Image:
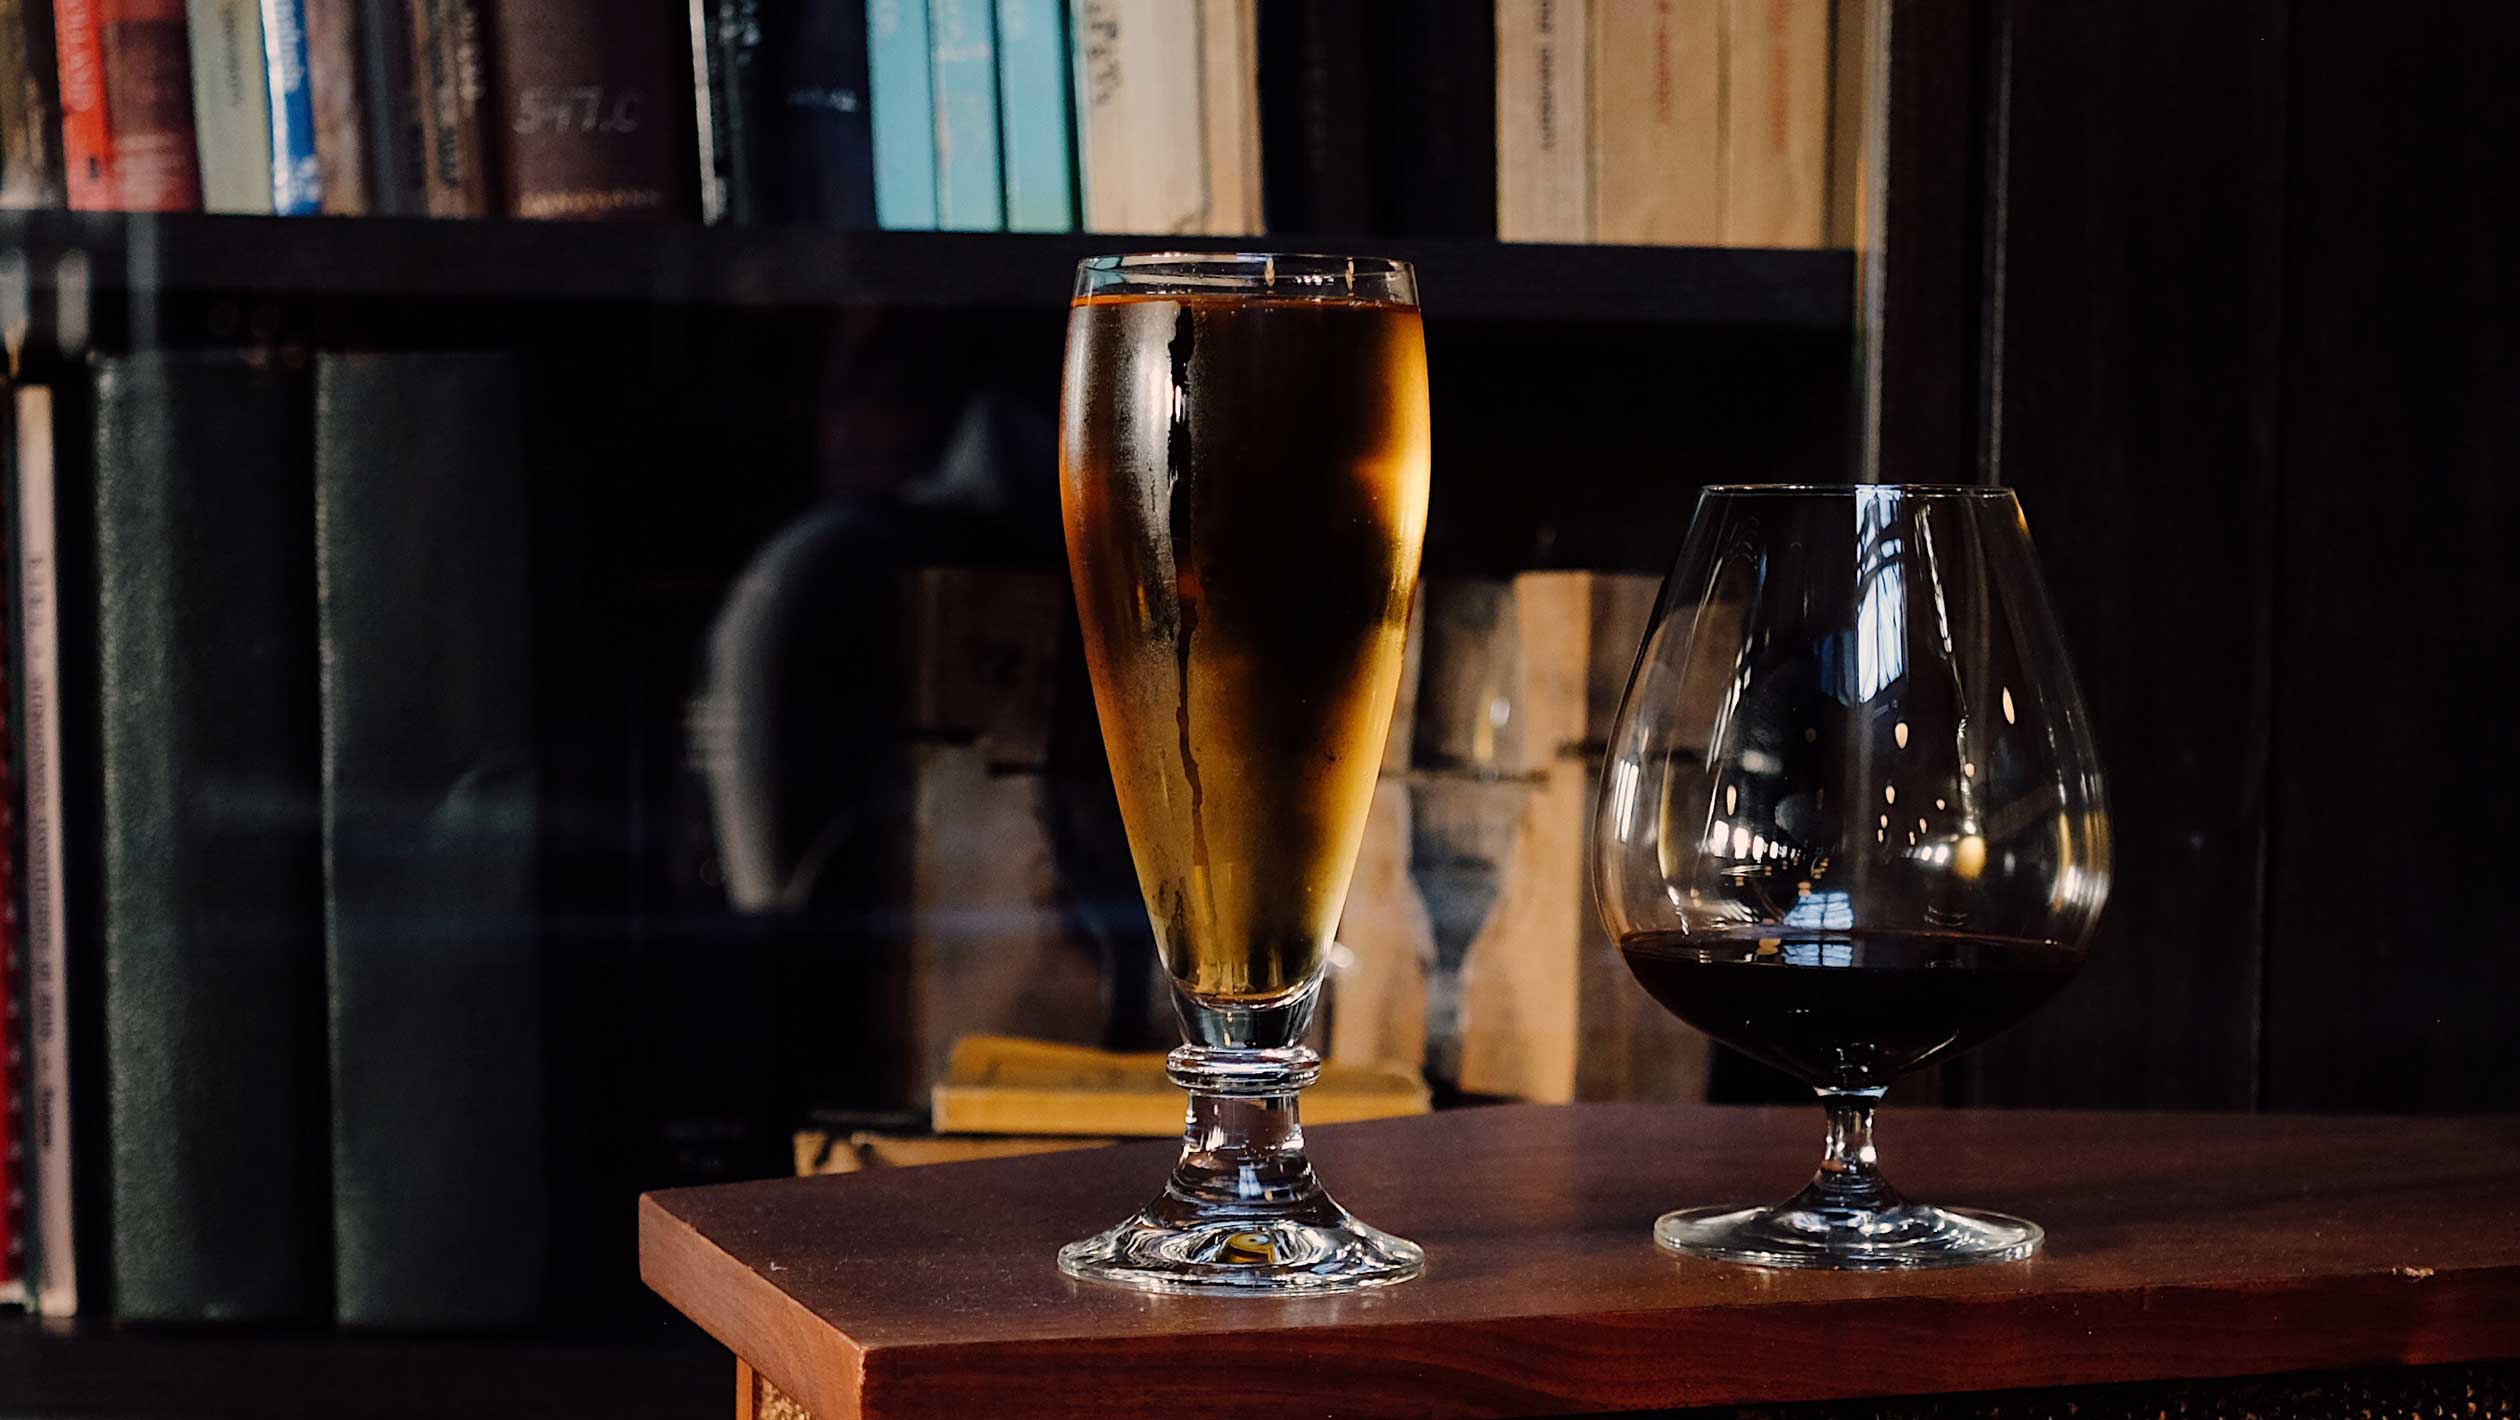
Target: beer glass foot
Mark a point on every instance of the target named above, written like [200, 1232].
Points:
[1243, 1213]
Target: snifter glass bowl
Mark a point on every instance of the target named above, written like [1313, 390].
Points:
[1850, 821]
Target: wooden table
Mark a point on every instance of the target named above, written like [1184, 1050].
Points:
[2180, 1247]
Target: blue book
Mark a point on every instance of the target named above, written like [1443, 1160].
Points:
[969, 197]
[297, 183]
[1033, 97]
[904, 114]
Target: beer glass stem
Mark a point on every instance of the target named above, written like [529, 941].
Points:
[1243, 1140]
[1850, 1172]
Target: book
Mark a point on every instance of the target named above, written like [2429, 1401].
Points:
[823, 168]
[13, 1150]
[1434, 131]
[231, 98]
[335, 95]
[51, 1168]
[30, 107]
[1850, 92]
[449, 81]
[1776, 122]
[962, 38]
[441, 1187]
[1317, 114]
[296, 173]
[87, 157]
[1005, 1085]
[1039, 123]
[594, 107]
[148, 106]
[1543, 121]
[1140, 146]
[1658, 122]
[1229, 115]
[390, 111]
[902, 114]
[720, 29]
[210, 854]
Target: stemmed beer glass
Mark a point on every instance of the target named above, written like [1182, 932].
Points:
[1243, 478]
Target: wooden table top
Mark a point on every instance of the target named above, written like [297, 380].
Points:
[2179, 1245]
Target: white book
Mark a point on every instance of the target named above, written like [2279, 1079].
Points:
[1139, 138]
[1543, 121]
[47, 955]
[231, 93]
[1776, 123]
[1658, 122]
[1229, 55]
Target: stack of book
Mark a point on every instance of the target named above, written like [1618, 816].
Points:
[1674, 122]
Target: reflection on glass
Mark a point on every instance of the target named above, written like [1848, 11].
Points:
[1823, 662]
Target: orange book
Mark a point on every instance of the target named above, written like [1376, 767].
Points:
[87, 155]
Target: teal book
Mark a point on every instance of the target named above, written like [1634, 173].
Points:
[904, 114]
[969, 196]
[1039, 134]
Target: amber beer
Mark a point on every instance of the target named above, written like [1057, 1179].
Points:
[1244, 570]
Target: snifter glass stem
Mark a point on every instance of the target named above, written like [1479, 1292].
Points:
[1848, 1216]
[1242, 1210]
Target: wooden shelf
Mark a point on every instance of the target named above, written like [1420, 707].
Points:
[773, 268]
[2180, 1247]
[98, 1370]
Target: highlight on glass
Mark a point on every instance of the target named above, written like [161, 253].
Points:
[1851, 821]
[1243, 481]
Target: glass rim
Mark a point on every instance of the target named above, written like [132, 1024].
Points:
[1905, 490]
[1327, 277]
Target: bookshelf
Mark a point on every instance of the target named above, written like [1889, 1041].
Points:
[791, 268]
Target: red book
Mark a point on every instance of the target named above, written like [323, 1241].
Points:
[87, 155]
[148, 106]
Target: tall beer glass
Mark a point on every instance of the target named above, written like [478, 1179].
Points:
[1242, 472]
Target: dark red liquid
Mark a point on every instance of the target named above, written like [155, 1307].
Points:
[1847, 1009]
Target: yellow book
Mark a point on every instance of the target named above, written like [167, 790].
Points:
[1776, 123]
[1003, 1085]
[1658, 122]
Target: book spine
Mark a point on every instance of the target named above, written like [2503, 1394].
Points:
[712, 110]
[333, 94]
[813, 114]
[12, 1004]
[1658, 123]
[963, 49]
[1543, 109]
[1435, 122]
[87, 152]
[1776, 122]
[1033, 89]
[902, 95]
[1229, 115]
[390, 110]
[1159, 61]
[1102, 129]
[594, 109]
[450, 88]
[441, 1188]
[30, 107]
[1317, 106]
[148, 106]
[1850, 90]
[296, 174]
[211, 916]
[231, 104]
[46, 920]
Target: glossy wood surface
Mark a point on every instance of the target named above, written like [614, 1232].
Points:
[2179, 1245]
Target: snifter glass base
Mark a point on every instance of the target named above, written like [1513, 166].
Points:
[1242, 1212]
[1906, 1237]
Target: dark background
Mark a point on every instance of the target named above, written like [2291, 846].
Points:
[2223, 290]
